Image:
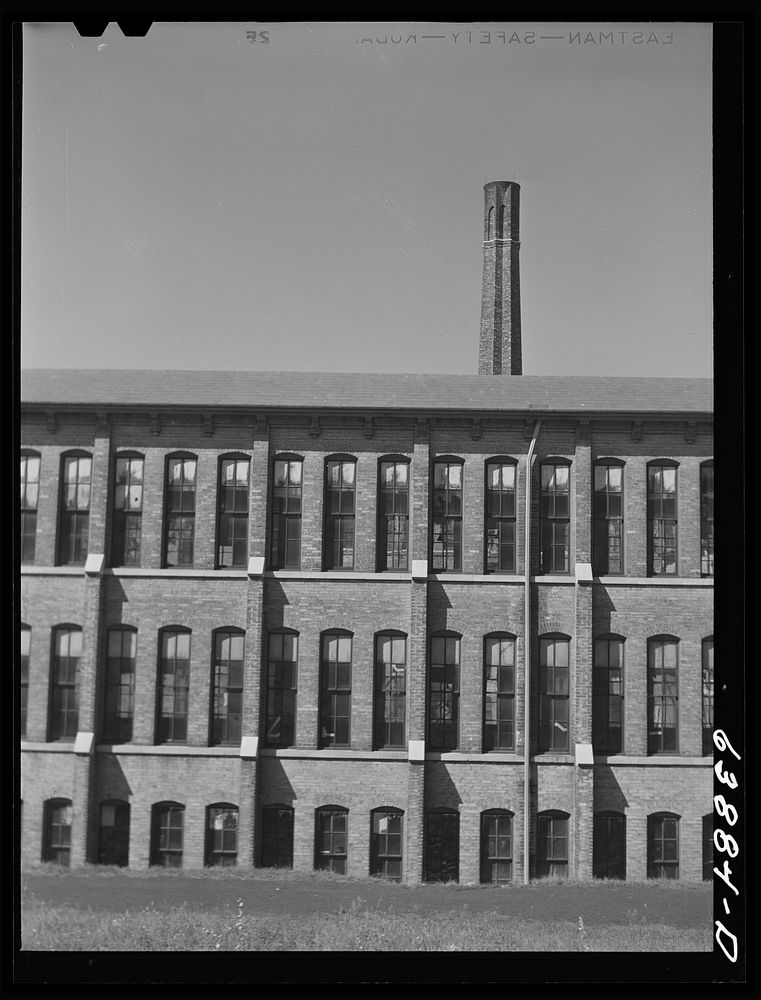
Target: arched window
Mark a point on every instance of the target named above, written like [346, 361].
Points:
[663, 694]
[554, 659]
[609, 845]
[662, 517]
[340, 491]
[25, 643]
[64, 682]
[335, 689]
[56, 833]
[390, 689]
[393, 513]
[386, 828]
[442, 845]
[129, 471]
[608, 694]
[707, 678]
[227, 687]
[331, 835]
[222, 835]
[286, 512]
[608, 517]
[497, 847]
[444, 691]
[446, 519]
[173, 687]
[501, 479]
[552, 844]
[180, 509]
[121, 657]
[706, 518]
[663, 845]
[282, 685]
[76, 478]
[555, 515]
[499, 692]
[167, 826]
[277, 836]
[232, 506]
[113, 833]
[30, 489]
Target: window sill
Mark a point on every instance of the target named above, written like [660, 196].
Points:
[653, 760]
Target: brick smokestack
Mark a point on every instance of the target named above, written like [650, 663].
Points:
[499, 351]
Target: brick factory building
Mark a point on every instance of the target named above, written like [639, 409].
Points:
[298, 619]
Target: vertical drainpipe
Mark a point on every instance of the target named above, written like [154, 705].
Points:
[527, 653]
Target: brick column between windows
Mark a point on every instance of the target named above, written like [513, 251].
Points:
[253, 673]
[258, 496]
[418, 644]
[584, 796]
[247, 827]
[414, 823]
[582, 475]
[82, 805]
[635, 516]
[581, 726]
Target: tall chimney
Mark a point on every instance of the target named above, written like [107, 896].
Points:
[499, 351]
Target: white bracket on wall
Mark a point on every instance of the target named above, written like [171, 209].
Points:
[255, 566]
[416, 750]
[94, 564]
[83, 743]
[419, 569]
[249, 747]
[584, 572]
[584, 755]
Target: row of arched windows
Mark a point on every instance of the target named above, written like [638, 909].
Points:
[331, 828]
[280, 688]
[340, 505]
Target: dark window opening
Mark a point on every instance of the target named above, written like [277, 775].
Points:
[446, 522]
[609, 846]
[662, 519]
[496, 848]
[75, 509]
[608, 695]
[286, 514]
[282, 666]
[393, 516]
[444, 693]
[500, 517]
[120, 685]
[608, 515]
[499, 693]
[330, 840]
[555, 509]
[222, 836]
[181, 511]
[662, 696]
[663, 846]
[335, 691]
[390, 690]
[339, 514]
[227, 698]
[386, 844]
[552, 845]
[128, 511]
[442, 847]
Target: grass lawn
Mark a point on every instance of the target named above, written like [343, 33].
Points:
[102, 909]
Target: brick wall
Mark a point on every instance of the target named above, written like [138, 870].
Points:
[365, 603]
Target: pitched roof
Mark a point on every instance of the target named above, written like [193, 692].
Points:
[117, 388]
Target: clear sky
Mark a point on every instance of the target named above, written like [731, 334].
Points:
[197, 199]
